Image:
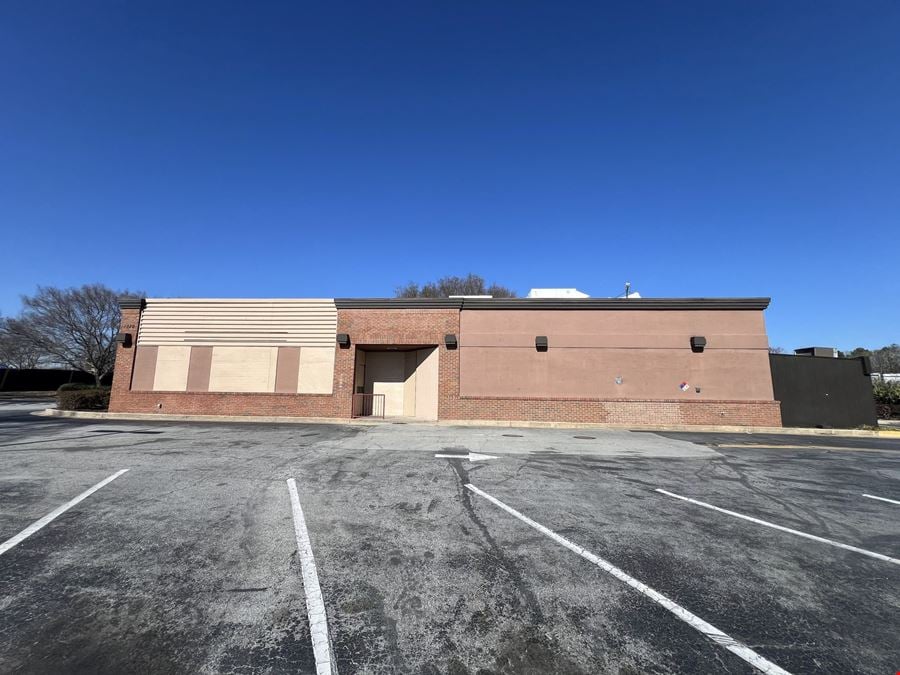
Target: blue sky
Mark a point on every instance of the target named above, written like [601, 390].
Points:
[342, 149]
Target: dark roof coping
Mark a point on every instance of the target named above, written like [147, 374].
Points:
[131, 302]
[398, 303]
[554, 303]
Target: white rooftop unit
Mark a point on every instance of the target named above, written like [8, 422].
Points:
[556, 293]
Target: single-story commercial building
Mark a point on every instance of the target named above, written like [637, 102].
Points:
[613, 360]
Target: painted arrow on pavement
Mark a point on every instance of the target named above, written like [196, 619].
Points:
[472, 457]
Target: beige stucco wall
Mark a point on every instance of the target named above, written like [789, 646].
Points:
[386, 374]
[426, 398]
[649, 350]
[172, 365]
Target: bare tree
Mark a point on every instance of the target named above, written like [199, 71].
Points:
[884, 360]
[16, 351]
[887, 359]
[75, 326]
[447, 286]
[776, 350]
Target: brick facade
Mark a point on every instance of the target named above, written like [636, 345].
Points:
[123, 399]
[620, 411]
[424, 327]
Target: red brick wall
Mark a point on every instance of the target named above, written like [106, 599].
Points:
[408, 327]
[424, 327]
[620, 411]
[121, 384]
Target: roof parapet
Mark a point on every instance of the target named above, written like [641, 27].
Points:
[631, 303]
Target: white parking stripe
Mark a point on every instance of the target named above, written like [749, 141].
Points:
[882, 499]
[315, 604]
[50, 517]
[847, 547]
[692, 620]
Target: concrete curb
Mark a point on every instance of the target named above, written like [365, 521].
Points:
[786, 431]
[258, 419]
[147, 417]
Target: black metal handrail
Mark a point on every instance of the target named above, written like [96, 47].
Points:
[368, 405]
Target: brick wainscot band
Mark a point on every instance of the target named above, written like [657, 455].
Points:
[636, 361]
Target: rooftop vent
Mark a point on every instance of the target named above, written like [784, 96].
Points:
[829, 352]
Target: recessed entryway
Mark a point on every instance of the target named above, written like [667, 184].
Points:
[402, 381]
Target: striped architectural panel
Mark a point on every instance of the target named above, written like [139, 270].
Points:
[238, 323]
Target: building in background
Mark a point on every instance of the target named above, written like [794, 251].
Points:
[556, 293]
[607, 360]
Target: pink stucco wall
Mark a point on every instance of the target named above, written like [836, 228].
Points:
[648, 349]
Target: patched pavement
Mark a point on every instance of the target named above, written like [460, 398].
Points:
[188, 562]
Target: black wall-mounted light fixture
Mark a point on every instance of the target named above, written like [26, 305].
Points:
[698, 343]
[450, 341]
[123, 339]
[343, 340]
[540, 343]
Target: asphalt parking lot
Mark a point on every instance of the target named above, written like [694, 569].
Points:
[558, 554]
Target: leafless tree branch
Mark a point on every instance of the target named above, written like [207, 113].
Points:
[75, 326]
[444, 287]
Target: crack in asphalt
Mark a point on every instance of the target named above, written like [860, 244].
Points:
[796, 510]
[513, 572]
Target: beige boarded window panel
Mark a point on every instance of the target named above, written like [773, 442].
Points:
[172, 365]
[316, 370]
[243, 369]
